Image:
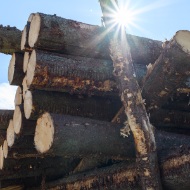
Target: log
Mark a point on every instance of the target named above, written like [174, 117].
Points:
[26, 61]
[169, 72]
[9, 39]
[5, 116]
[24, 87]
[18, 96]
[175, 175]
[20, 123]
[24, 39]
[37, 102]
[15, 70]
[53, 33]
[131, 97]
[10, 136]
[78, 136]
[51, 167]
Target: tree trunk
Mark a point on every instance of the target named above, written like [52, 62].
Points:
[15, 71]
[49, 32]
[9, 39]
[24, 39]
[81, 75]
[131, 97]
[5, 116]
[169, 72]
[175, 175]
[37, 102]
[78, 136]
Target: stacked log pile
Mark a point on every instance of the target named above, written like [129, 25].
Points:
[65, 130]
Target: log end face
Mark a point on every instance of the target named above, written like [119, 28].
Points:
[11, 68]
[182, 37]
[5, 149]
[18, 96]
[44, 133]
[24, 38]
[34, 30]
[10, 134]
[25, 62]
[31, 68]
[17, 120]
[28, 104]
[1, 158]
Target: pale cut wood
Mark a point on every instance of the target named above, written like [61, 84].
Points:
[26, 61]
[24, 87]
[1, 158]
[18, 96]
[15, 70]
[17, 119]
[38, 101]
[24, 39]
[169, 72]
[10, 134]
[73, 74]
[9, 39]
[53, 33]
[5, 149]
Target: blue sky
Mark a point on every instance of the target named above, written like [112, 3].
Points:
[158, 19]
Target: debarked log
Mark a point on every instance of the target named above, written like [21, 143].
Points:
[175, 175]
[53, 33]
[15, 71]
[169, 72]
[9, 39]
[78, 136]
[38, 101]
[73, 74]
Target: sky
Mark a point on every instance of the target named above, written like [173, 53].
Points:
[155, 19]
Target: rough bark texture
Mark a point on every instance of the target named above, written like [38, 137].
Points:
[73, 74]
[9, 39]
[122, 176]
[76, 38]
[15, 72]
[37, 102]
[5, 116]
[169, 72]
[131, 97]
[76, 136]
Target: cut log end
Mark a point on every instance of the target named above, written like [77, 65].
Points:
[24, 38]
[24, 87]
[34, 30]
[18, 96]
[182, 37]
[28, 104]
[44, 133]
[26, 60]
[1, 158]
[31, 68]
[5, 149]
[10, 134]
[17, 120]
[11, 68]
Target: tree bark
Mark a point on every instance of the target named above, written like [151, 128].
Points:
[78, 136]
[80, 75]
[175, 175]
[5, 116]
[169, 72]
[9, 39]
[15, 71]
[131, 97]
[49, 32]
[37, 102]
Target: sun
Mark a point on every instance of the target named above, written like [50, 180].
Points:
[124, 17]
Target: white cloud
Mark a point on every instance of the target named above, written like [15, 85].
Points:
[7, 96]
